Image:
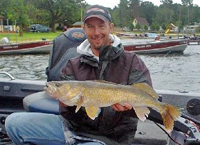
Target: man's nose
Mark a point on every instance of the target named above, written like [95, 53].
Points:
[97, 31]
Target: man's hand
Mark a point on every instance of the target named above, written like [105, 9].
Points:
[125, 107]
[62, 104]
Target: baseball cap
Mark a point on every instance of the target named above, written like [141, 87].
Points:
[98, 12]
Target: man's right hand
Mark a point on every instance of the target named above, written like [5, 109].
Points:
[119, 107]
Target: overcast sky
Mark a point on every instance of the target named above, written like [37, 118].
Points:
[113, 3]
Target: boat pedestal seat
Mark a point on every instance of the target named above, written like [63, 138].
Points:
[41, 102]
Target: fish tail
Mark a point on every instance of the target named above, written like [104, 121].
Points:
[169, 115]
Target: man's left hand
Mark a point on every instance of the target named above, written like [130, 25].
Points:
[119, 107]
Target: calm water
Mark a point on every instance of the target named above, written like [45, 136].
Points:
[174, 72]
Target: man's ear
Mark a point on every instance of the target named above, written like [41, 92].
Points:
[83, 26]
[111, 27]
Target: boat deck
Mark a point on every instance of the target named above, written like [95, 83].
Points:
[149, 133]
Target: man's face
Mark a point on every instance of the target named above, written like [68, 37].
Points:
[97, 32]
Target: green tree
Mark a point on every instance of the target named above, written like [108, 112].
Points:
[148, 11]
[17, 11]
[134, 7]
[196, 14]
[138, 27]
[56, 11]
[179, 24]
[155, 27]
[165, 15]
[189, 4]
[164, 26]
[121, 15]
[131, 26]
[3, 7]
[145, 27]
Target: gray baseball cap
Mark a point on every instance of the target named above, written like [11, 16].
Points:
[98, 12]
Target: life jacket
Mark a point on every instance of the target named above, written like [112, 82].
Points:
[64, 48]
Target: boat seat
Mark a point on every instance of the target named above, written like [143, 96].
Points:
[41, 102]
[64, 48]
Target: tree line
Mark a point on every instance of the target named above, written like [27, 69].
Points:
[52, 12]
[47, 12]
[168, 12]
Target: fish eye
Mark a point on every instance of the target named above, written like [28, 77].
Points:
[57, 84]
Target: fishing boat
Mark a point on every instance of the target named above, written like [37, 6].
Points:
[156, 46]
[38, 47]
[194, 40]
[152, 43]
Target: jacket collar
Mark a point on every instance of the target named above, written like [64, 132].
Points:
[110, 52]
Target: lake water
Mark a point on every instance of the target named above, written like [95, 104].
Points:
[172, 72]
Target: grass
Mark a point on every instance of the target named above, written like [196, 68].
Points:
[29, 36]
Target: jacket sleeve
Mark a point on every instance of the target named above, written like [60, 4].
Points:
[139, 73]
[67, 72]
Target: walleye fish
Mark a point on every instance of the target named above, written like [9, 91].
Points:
[95, 94]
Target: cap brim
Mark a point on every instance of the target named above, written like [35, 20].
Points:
[97, 16]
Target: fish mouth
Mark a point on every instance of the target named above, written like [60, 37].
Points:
[50, 88]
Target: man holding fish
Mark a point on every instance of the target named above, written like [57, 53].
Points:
[82, 122]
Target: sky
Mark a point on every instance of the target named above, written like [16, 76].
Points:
[113, 3]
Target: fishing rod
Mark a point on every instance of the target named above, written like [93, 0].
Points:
[156, 62]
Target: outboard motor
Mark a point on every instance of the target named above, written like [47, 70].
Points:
[4, 40]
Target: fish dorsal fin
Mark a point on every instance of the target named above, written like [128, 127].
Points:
[79, 103]
[147, 89]
[92, 112]
[142, 112]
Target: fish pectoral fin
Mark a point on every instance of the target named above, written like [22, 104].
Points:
[92, 112]
[147, 89]
[75, 99]
[79, 104]
[142, 112]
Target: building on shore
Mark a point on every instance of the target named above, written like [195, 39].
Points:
[140, 21]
